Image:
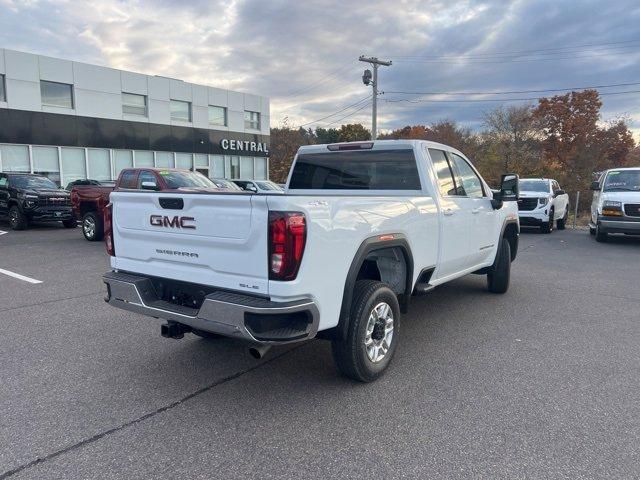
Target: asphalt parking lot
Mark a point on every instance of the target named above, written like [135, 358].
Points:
[539, 383]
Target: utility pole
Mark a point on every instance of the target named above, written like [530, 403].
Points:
[367, 80]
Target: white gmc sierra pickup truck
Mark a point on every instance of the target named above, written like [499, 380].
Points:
[361, 228]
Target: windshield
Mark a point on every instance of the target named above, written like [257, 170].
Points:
[534, 186]
[34, 183]
[268, 186]
[222, 183]
[622, 181]
[178, 179]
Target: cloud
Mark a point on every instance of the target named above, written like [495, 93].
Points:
[303, 55]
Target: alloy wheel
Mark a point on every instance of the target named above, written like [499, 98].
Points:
[379, 332]
[89, 227]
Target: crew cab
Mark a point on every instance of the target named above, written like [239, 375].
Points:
[543, 204]
[615, 207]
[26, 197]
[361, 227]
[89, 198]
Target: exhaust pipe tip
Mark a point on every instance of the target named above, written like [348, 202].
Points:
[259, 351]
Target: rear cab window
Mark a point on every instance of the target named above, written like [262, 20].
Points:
[356, 170]
[128, 179]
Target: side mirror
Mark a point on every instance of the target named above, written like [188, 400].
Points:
[149, 186]
[559, 192]
[252, 188]
[595, 185]
[509, 190]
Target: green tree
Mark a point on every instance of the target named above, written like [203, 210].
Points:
[353, 132]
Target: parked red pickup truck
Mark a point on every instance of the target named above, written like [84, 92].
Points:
[88, 198]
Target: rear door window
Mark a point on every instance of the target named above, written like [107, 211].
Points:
[356, 170]
[446, 184]
[128, 179]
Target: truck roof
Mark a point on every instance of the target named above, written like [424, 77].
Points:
[377, 145]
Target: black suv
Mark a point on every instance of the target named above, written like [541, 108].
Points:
[25, 197]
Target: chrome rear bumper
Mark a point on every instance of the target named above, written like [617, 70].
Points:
[251, 318]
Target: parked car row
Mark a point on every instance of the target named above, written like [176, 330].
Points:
[28, 197]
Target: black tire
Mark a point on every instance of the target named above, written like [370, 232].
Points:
[17, 219]
[601, 236]
[70, 223]
[207, 335]
[592, 231]
[350, 353]
[92, 227]
[498, 279]
[562, 223]
[548, 227]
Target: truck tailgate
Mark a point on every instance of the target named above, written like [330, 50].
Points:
[211, 239]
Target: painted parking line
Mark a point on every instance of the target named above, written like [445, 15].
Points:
[2, 232]
[19, 277]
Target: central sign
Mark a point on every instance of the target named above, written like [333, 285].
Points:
[244, 146]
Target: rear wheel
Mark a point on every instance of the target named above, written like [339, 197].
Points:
[372, 335]
[17, 219]
[498, 279]
[92, 227]
[562, 223]
[547, 227]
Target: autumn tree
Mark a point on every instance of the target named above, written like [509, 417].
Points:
[575, 146]
[511, 141]
[285, 142]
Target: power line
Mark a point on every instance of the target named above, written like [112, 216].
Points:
[560, 50]
[504, 61]
[514, 92]
[321, 80]
[337, 112]
[350, 114]
[477, 100]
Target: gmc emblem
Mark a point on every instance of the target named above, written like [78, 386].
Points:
[172, 222]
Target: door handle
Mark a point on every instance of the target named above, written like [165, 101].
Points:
[448, 212]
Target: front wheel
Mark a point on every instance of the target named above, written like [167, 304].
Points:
[17, 219]
[601, 236]
[372, 335]
[547, 227]
[498, 279]
[562, 222]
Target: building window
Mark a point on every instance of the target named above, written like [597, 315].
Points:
[261, 168]
[180, 110]
[164, 160]
[73, 164]
[122, 159]
[217, 116]
[99, 164]
[143, 158]
[45, 162]
[184, 160]
[56, 94]
[3, 94]
[251, 120]
[15, 158]
[133, 104]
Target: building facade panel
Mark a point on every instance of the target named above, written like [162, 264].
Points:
[55, 70]
[68, 120]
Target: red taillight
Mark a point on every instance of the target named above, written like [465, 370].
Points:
[287, 237]
[108, 230]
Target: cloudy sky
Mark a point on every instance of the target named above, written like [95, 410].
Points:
[303, 54]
